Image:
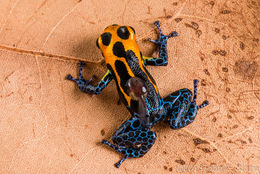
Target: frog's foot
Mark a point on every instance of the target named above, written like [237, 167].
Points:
[132, 144]
[162, 38]
[117, 149]
[162, 60]
[182, 109]
[83, 84]
[205, 102]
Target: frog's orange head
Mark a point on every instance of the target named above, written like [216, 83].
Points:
[115, 41]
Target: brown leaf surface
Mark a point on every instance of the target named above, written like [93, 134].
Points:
[48, 126]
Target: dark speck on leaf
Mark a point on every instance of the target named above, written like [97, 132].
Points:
[222, 52]
[198, 141]
[217, 30]
[215, 52]
[188, 25]
[250, 117]
[102, 132]
[203, 82]
[178, 20]
[206, 71]
[227, 89]
[199, 32]
[225, 11]
[242, 45]
[206, 150]
[192, 159]
[181, 162]
[224, 69]
[194, 25]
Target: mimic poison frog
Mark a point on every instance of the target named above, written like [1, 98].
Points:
[138, 91]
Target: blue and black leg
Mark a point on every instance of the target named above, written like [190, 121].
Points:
[162, 60]
[181, 107]
[131, 140]
[85, 86]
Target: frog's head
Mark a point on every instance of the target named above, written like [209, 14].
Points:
[115, 41]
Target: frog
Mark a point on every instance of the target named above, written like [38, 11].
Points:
[138, 91]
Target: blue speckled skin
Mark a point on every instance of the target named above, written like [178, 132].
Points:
[134, 139]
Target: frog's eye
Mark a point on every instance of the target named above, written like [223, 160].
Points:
[132, 29]
[123, 32]
[106, 38]
[97, 43]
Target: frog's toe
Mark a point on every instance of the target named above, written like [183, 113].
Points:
[173, 34]
[105, 142]
[69, 77]
[88, 81]
[115, 147]
[154, 41]
[156, 23]
[205, 103]
[118, 164]
[81, 64]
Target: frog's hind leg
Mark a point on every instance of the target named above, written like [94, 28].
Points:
[131, 140]
[181, 108]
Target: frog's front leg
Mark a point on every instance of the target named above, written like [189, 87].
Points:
[162, 60]
[84, 85]
[132, 140]
[181, 108]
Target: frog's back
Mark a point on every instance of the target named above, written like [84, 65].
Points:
[124, 59]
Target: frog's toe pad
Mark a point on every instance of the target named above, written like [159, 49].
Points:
[117, 164]
[81, 64]
[69, 77]
[156, 23]
[173, 34]
[105, 142]
[205, 103]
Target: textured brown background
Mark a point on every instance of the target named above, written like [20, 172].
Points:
[48, 126]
